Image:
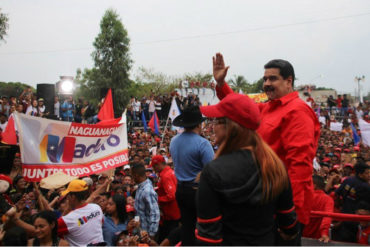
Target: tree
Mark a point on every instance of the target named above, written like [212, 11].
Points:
[13, 88]
[153, 82]
[257, 86]
[198, 76]
[239, 83]
[112, 63]
[3, 25]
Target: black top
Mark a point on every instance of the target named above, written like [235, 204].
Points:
[230, 211]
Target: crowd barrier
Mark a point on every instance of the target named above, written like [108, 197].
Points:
[340, 216]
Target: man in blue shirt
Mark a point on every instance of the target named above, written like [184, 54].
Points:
[190, 153]
[67, 109]
[146, 201]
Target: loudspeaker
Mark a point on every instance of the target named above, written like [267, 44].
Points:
[47, 92]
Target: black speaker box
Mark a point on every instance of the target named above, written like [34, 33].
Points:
[47, 92]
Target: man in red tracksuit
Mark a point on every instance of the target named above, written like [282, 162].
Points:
[319, 227]
[288, 125]
[170, 212]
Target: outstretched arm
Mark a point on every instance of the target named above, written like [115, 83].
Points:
[219, 73]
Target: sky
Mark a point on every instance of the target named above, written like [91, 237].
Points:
[328, 42]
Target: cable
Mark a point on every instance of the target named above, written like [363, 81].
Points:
[204, 35]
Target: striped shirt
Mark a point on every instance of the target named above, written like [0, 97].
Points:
[146, 206]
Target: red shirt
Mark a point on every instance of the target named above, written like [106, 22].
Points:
[319, 226]
[363, 236]
[167, 194]
[339, 102]
[292, 130]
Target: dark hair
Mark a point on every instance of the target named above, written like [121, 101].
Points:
[53, 195]
[120, 202]
[15, 236]
[286, 69]
[361, 167]
[106, 194]
[318, 181]
[51, 218]
[139, 169]
[82, 195]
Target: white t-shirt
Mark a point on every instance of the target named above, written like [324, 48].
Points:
[82, 226]
[137, 106]
[57, 109]
[151, 106]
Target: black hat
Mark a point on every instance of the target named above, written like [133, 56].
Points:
[190, 117]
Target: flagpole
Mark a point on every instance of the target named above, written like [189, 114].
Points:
[165, 127]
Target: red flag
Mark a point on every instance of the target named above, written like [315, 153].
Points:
[154, 123]
[9, 135]
[106, 111]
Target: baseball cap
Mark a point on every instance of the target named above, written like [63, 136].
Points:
[156, 159]
[6, 178]
[40, 99]
[76, 185]
[237, 107]
[88, 181]
[348, 165]
[126, 167]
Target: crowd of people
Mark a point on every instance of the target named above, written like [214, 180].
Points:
[248, 174]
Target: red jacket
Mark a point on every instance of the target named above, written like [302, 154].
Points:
[292, 130]
[363, 236]
[319, 226]
[167, 194]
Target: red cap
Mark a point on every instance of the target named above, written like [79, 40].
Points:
[6, 178]
[356, 148]
[237, 107]
[348, 165]
[129, 208]
[326, 160]
[346, 150]
[156, 159]
[336, 167]
[338, 149]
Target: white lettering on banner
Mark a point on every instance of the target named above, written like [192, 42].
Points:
[89, 131]
[115, 160]
[35, 174]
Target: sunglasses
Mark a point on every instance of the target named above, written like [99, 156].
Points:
[217, 121]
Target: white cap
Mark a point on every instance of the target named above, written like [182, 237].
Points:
[126, 167]
[88, 180]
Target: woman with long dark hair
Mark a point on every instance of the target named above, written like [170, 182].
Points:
[45, 229]
[116, 221]
[246, 184]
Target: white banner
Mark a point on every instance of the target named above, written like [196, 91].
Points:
[48, 146]
[334, 126]
[365, 131]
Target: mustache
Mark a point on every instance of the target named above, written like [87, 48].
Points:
[268, 88]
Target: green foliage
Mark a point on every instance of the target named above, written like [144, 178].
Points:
[240, 83]
[149, 81]
[257, 86]
[112, 63]
[12, 88]
[198, 76]
[4, 26]
[323, 88]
